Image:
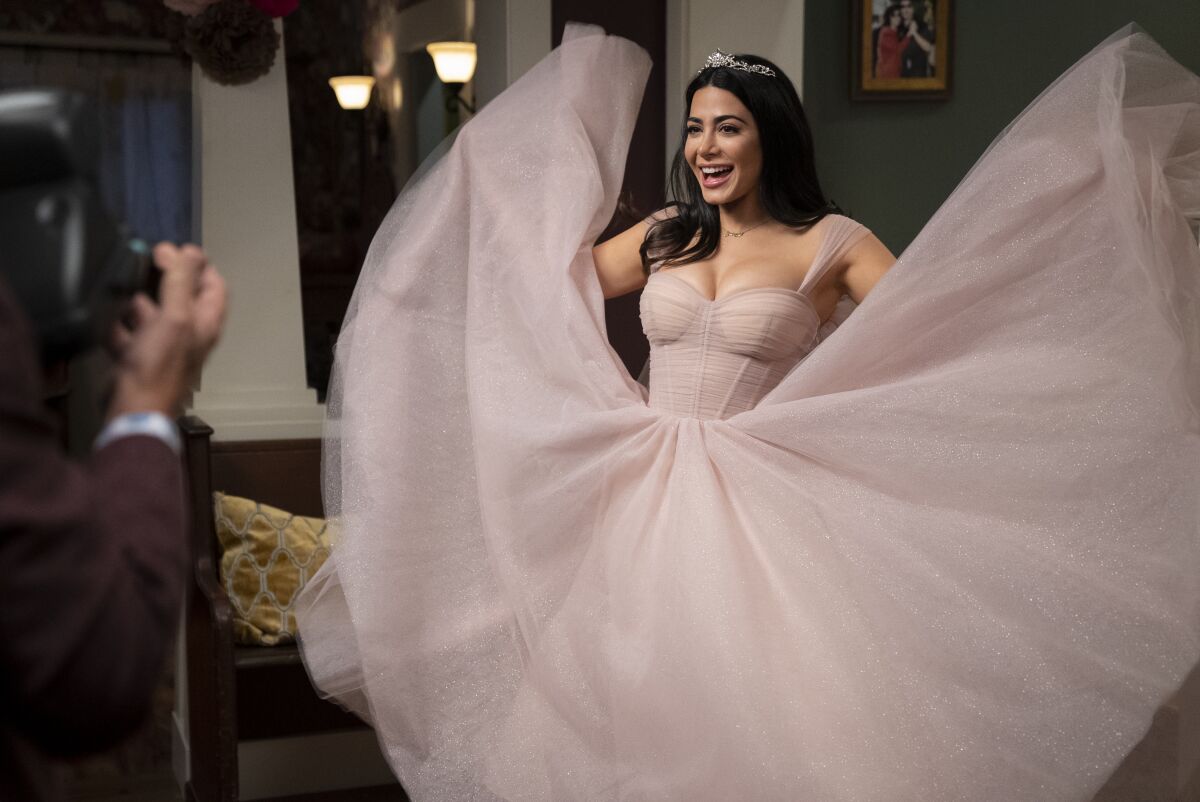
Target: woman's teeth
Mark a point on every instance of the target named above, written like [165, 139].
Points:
[715, 176]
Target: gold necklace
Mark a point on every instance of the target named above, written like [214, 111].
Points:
[736, 234]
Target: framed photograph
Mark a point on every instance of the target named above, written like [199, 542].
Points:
[901, 49]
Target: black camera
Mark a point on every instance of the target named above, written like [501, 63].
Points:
[72, 267]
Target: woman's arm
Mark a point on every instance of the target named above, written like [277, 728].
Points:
[865, 264]
[619, 261]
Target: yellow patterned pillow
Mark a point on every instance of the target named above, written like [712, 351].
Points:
[266, 557]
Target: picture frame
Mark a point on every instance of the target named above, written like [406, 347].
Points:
[901, 49]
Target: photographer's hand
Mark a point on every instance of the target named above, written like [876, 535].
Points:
[160, 354]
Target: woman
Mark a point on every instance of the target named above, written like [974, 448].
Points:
[950, 553]
[890, 44]
[740, 227]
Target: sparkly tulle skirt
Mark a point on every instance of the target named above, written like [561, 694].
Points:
[952, 555]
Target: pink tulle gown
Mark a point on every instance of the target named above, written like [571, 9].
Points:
[947, 551]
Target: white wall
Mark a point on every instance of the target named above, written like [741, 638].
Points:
[254, 385]
[512, 36]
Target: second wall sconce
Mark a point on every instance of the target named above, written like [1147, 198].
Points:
[455, 65]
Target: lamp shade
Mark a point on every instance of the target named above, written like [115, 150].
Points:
[454, 61]
[353, 91]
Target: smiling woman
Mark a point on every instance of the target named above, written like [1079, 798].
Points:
[745, 166]
[748, 119]
[929, 557]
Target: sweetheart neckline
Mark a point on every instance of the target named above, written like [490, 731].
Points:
[797, 293]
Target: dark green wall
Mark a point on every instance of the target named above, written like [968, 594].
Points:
[890, 164]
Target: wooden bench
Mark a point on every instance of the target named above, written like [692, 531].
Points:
[235, 692]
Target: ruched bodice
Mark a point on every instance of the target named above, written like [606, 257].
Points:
[716, 358]
[713, 359]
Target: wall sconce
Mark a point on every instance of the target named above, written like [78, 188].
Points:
[454, 61]
[353, 91]
[455, 65]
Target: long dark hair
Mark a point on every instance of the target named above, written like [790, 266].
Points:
[893, 8]
[788, 188]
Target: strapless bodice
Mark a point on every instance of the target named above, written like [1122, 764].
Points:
[716, 358]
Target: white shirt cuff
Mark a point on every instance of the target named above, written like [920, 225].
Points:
[154, 424]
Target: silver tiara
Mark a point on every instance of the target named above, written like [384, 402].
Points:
[719, 59]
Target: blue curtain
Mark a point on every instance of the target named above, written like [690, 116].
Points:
[144, 106]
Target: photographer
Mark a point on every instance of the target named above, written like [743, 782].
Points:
[93, 556]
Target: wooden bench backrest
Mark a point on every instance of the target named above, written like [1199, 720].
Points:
[283, 473]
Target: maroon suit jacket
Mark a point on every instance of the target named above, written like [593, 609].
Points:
[92, 564]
